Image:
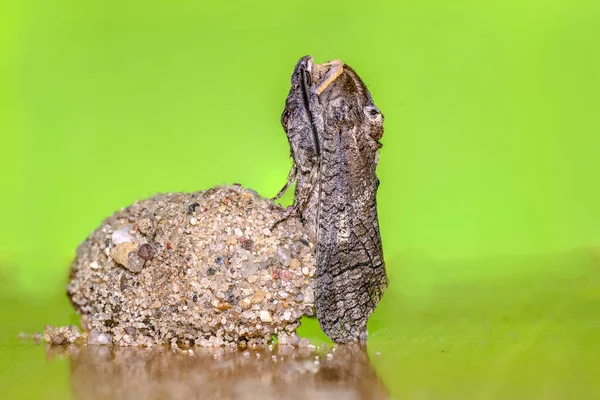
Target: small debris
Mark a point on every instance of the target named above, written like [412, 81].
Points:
[36, 337]
[258, 296]
[120, 253]
[294, 264]
[146, 226]
[246, 243]
[294, 340]
[134, 262]
[284, 256]
[265, 316]
[122, 235]
[96, 337]
[285, 275]
[61, 335]
[192, 207]
[146, 252]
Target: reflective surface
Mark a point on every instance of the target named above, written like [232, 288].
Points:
[525, 328]
[162, 373]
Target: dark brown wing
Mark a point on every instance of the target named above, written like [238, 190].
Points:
[351, 275]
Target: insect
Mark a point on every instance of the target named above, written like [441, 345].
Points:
[333, 129]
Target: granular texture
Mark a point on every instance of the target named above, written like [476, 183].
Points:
[205, 268]
[61, 335]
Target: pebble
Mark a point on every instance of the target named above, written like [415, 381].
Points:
[305, 271]
[265, 316]
[285, 275]
[61, 335]
[304, 342]
[294, 340]
[193, 221]
[249, 268]
[309, 296]
[258, 296]
[284, 256]
[122, 235]
[294, 263]
[246, 303]
[146, 226]
[120, 253]
[134, 262]
[283, 339]
[58, 339]
[146, 252]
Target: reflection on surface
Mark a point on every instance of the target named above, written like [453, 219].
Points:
[97, 372]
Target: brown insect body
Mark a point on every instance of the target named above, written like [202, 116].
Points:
[334, 128]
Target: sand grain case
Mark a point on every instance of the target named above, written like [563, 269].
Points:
[203, 268]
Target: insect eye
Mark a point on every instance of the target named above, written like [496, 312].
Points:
[373, 112]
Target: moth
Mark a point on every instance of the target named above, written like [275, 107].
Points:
[334, 131]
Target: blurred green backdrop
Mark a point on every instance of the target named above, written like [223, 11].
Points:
[491, 135]
[489, 200]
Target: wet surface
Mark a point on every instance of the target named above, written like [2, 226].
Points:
[530, 332]
[98, 372]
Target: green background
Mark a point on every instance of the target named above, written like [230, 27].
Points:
[489, 201]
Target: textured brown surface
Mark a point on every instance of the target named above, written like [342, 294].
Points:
[333, 129]
[351, 274]
[203, 268]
